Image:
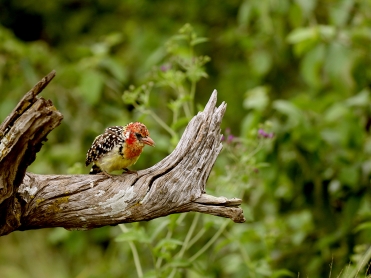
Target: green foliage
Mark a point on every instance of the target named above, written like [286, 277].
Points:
[297, 147]
[181, 69]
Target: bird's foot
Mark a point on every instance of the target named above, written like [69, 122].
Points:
[127, 171]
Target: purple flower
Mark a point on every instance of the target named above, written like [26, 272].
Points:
[165, 67]
[263, 134]
[228, 137]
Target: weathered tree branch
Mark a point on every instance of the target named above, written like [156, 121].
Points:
[174, 185]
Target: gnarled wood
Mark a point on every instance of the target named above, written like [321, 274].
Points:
[174, 185]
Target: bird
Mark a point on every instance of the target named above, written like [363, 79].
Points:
[118, 148]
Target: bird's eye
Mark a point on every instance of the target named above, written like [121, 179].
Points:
[138, 135]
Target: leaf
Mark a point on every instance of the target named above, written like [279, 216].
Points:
[155, 58]
[199, 40]
[363, 226]
[307, 6]
[256, 98]
[244, 13]
[295, 15]
[195, 73]
[168, 243]
[179, 37]
[116, 69]
[327, 32]
[114, 39]
[362, 99]
[335, 113]
[311, 65]
[131, 97]
[249, 123]
[331, 136]
[175, 105]
[338, 65]
[150, 274]
[179, 263]
[302, 34]
[261, 62]
[291, 111]
[138, 235]
[341, 12]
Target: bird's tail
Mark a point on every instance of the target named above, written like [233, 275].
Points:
[95, 170]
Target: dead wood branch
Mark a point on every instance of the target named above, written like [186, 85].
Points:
[174, 185]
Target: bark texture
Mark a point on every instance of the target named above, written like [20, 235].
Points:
[78, 202]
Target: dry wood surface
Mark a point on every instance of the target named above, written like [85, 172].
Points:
[176, 184]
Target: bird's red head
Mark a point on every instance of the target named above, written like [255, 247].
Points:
[137, 133]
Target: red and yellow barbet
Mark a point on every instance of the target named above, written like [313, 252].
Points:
[117, 148]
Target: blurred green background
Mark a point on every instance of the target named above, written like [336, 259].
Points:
[296, 77]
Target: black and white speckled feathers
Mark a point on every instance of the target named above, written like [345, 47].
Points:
[104, 143]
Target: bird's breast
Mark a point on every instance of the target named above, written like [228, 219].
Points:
[130, 152]
[115, 160]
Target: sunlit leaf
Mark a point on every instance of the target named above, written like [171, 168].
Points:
[261, 62]
[244, 13]
[256, 98]
[307, 6]
[198, 41]
[292, 112]
[362, 99]
[301, 34]
[363, 226]
[335, 112]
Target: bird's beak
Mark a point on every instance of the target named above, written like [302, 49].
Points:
[148, 141]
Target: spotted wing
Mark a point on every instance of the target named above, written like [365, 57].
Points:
[104, 143]
[117, 130]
